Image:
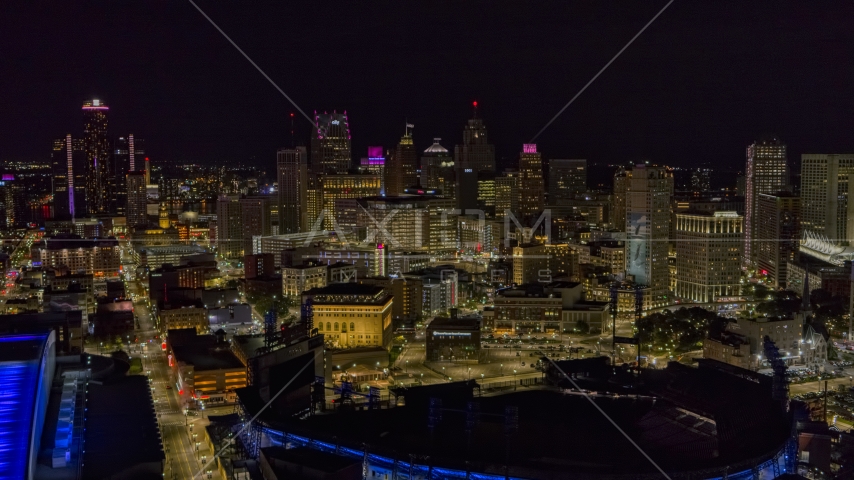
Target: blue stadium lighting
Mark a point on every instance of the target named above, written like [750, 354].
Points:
[20, 402]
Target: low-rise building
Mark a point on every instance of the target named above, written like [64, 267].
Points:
[174, 314]
[728, 347]
[453, 338]
[556, 307]
[352, 314]
[67, 327]
[99, 257]
[785, 332]
[204, 365]
[301, 278]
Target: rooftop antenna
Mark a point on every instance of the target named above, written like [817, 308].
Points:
[474, 103]
[293, 142]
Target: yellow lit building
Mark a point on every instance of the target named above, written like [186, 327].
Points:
[300, 278]
[352, 315]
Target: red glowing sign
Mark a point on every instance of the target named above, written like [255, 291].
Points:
[170, 360]
[163, 346]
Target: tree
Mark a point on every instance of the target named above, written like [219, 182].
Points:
[582, 327]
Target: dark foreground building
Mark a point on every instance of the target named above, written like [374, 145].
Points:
[700, 423]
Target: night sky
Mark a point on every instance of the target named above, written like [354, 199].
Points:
[698, 85]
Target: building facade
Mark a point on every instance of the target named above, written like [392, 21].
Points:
[708, 253]
[767, 172]
[648, 193]
[778, 234]
[352, 315]
[825, 206]
[137, 199]
[331, 150]
[292, 172]
[531, 194]
[100, 182]
[567, 178]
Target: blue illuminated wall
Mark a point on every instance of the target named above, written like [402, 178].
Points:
[24, 391]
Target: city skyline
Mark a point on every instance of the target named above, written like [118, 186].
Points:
[743, 108]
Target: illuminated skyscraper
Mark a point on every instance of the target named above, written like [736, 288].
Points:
[229, 237]
[292, 169]
[618, 205]
[437, 169]
[127, 154]
[475, 152]
[475, 155]
[708, 255]
[506, 193]
[649, 190]
[531, 197]
[825, 203]
[100, 181]
[255, 220]
[375, 163]
[68, 165]
[777, 235]
[767, 172]
[567, 178]
[330, 144]
[137, 199]
[401, 171]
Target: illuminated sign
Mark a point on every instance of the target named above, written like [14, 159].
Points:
[335, 122]
[8, 176]
[451, 334]
[529, 148]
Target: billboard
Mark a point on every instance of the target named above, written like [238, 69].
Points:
[637, 241]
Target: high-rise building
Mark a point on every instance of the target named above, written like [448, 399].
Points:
[254, 219]
[649, 189]
[409, 222]
[100, 182]
[437, 169]
[531, 195]
[506, 193]
[330, 144]
[402, 170]
[473, 156]
[767, 172]
[229, 238]
[292, 170]
[127, 152]
[475, 153]
[825, 201]
[69, 172]
[618, 205]
[137, 199]
[777, 234]
[567, 178]
[708, 255]
[375, 163]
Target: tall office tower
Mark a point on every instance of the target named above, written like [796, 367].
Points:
[401, 171]
[170, 193]
[475, 153]
[486, 192]
[137, 199]
[126, 151]
[229, 238]
[69, 170]
[531, 195]
[701, 180]
[708, 255]
[506, 193]
[436, 165]
[147, 171]
[824, 195]
[374, 163]
[567, 178]
[330, 144]
[778, 234]
[100, 182]
[292, 170]
[767, 172]
[618, 205]
[255, 220]
[649, 189]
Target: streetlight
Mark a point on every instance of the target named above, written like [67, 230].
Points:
[514, 379]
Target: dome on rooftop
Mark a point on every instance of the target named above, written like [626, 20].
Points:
[436, 148]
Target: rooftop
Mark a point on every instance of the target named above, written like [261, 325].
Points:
[203, 357]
